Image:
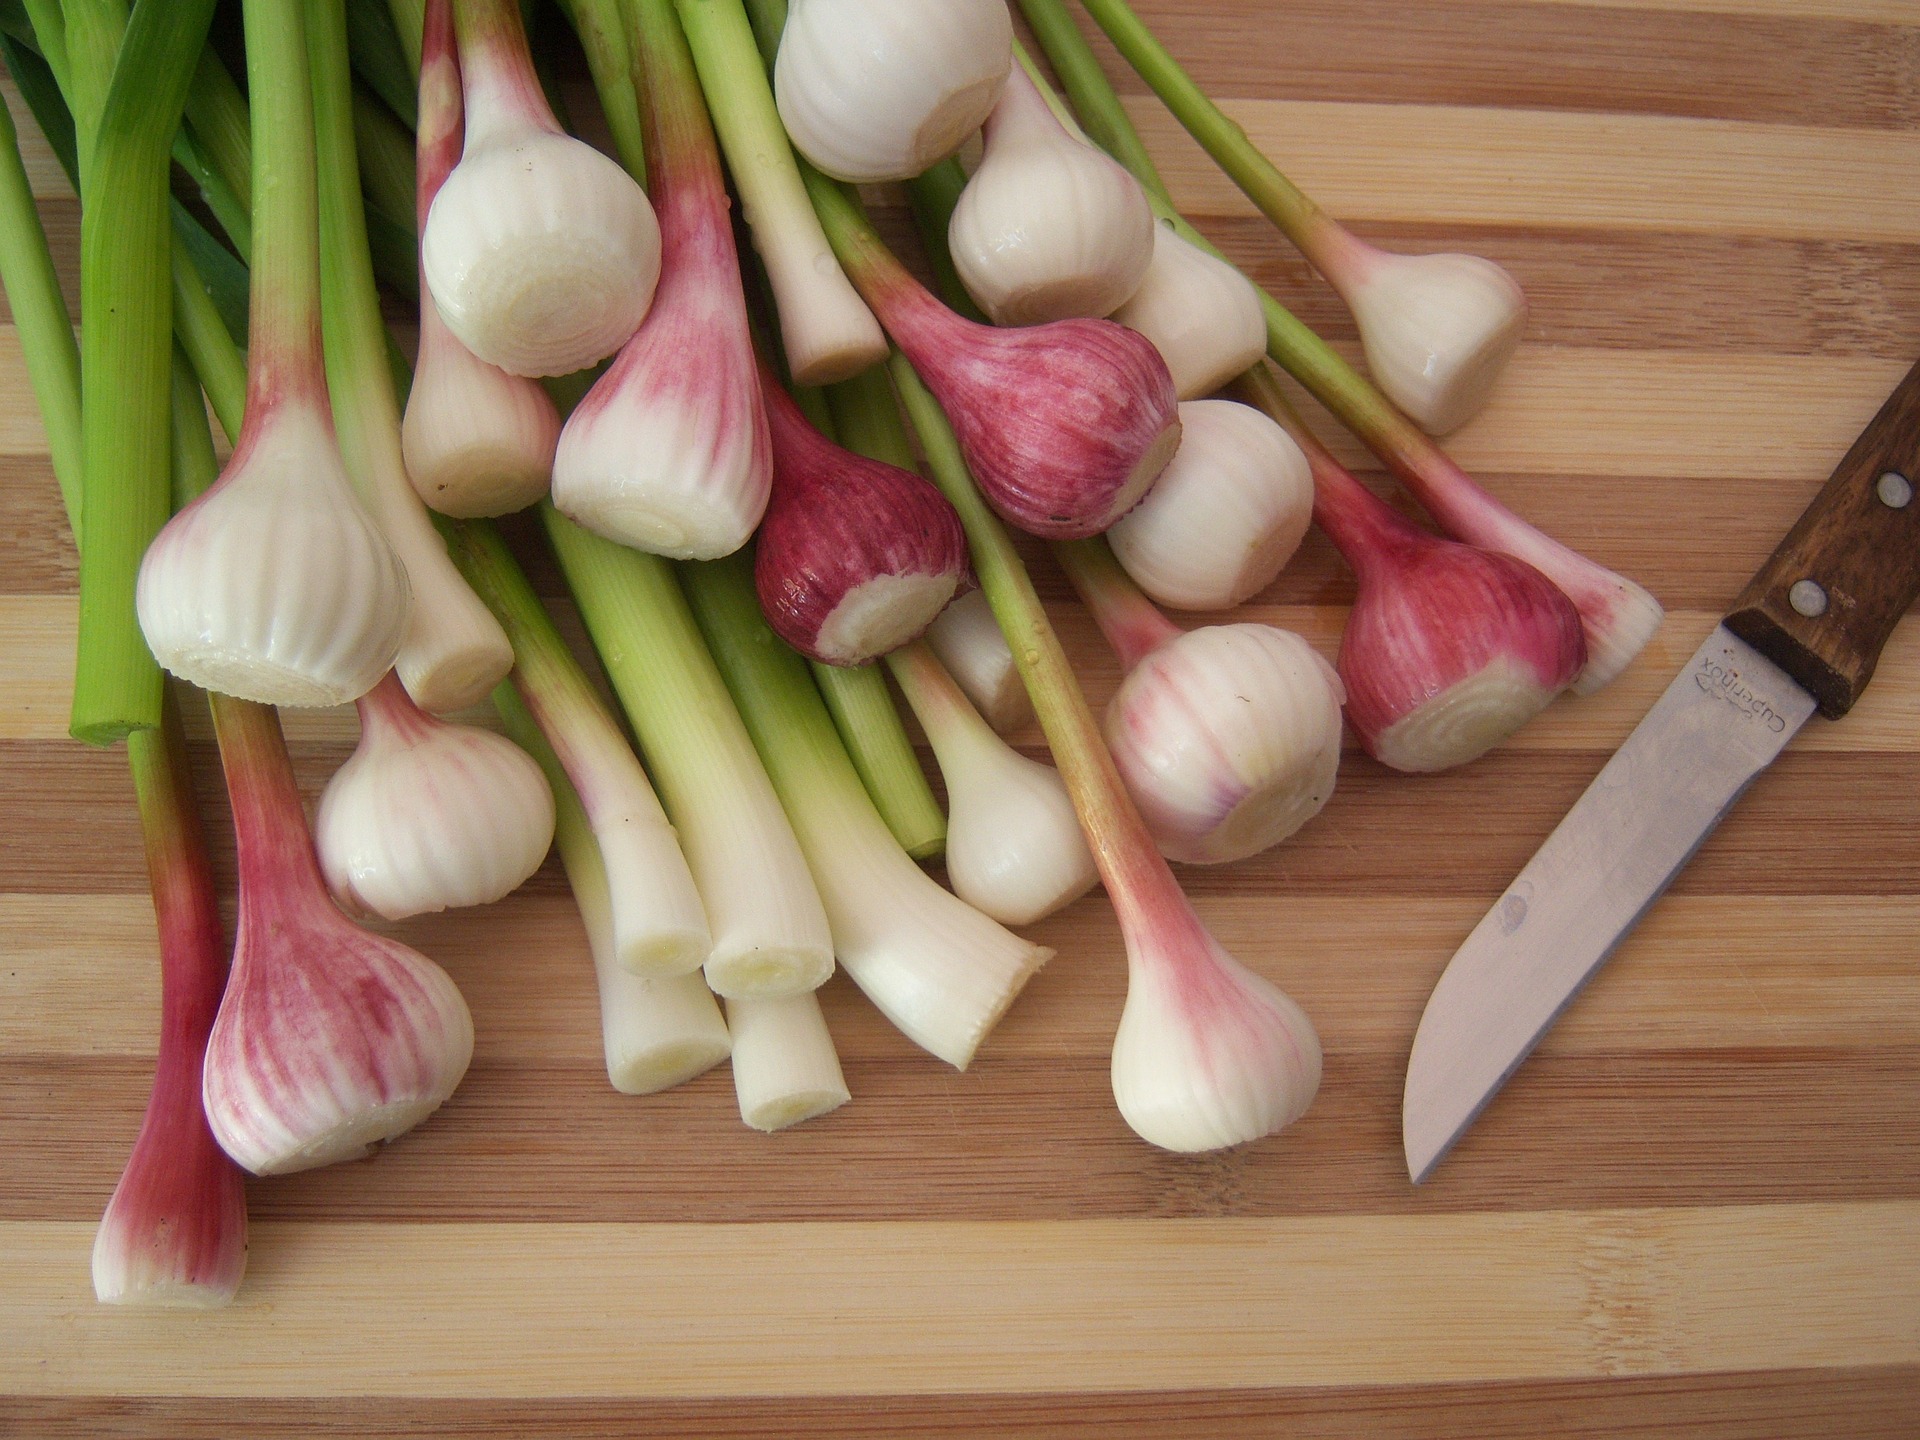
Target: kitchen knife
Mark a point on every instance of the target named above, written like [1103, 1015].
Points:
[1804, 635]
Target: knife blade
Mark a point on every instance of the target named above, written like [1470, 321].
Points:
[1805, 634]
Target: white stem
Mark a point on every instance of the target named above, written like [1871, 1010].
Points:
[785, 1069]
[656, 1033]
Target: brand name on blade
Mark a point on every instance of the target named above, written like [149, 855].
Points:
[1720, 680]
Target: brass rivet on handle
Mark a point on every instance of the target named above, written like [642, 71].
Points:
[1895, 490]
[1808, 598]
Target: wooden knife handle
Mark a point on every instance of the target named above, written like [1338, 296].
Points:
[1823, 606]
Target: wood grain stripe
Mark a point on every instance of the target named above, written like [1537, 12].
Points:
[1036, 1139]
[1010, 1307]
[36, 664]
[1555, 169]
[1703, 971]
[1872, 12]
[1792, 66]
[1864, 1403]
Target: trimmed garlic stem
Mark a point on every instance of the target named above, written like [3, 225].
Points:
[937, 968]
[1619, 616]
[770, 934]
[785, 1069]
[1132, 624]
[175, 1232]
[454, 652]
[660, 925]
[826, 328]
[654, 1033]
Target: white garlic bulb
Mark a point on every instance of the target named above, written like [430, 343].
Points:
[276, 585]
[975, 653]
[1226, 514]
[540, 252]
[1014, 846]
[477, 440]
[1437, 330]
[427, 815]
[1228, 738]
[872, 92]
[1202, 315]
[1049, 227]
[1208, 1053]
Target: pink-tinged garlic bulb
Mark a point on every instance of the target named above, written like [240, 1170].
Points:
[1201, 314]
[669, 451]
[1437, 329]
[856, 557]
[276, 585]
[968, 641]
[540, 253]
[330, 1039]
[477, 441]
[1014, 846]
[881, 92]
[427, 815]
[1063, 426]
[1224, 517]
[1449, 648]
[1208, 1053]
[1048, 227]
[1228, 737]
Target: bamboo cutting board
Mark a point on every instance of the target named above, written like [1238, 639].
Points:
[1695, 1211]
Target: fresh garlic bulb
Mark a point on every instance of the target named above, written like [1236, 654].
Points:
[975, 653]
[329, 1039]
[874, 92]
[1208, 1053]
[540, 252]
[1226, 514]
[426, 815]
[855, 557]
[319, 1057]
[1014, 846]
[1048, 228]
[669, 452]
[1201, 314]
[1437, 330]
[785, 1069]
[1228, 737]
[276, 585]
[477, 440]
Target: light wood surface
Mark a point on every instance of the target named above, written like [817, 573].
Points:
[1695, 1212]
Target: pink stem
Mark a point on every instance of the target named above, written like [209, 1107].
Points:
[1129, 620]
[442, 113]
[387, 707]
[278, 867]
[179, 1189]
[501, 89]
